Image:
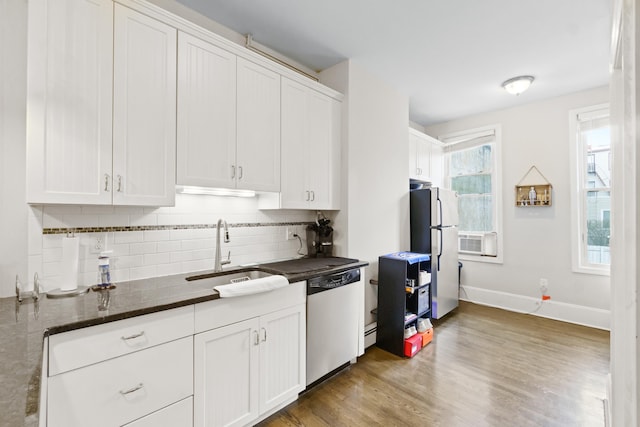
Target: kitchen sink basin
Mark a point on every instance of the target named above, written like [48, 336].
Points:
[217, 279]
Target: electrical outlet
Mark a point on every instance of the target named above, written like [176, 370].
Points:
[290, 232]
[544, 285]
[98, 244]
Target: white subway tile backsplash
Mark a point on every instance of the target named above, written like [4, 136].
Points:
[97, 209]
[198, 244]
[142, 248]
[156, 235]
[143, 219]
[127, 261]
[169, 246]
[155, 259]
[142, 272]
[167, 269]
[198, 265]
[140, 253]
[129, 237]
[113, 220]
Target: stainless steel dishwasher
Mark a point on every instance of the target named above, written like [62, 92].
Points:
[332, 322]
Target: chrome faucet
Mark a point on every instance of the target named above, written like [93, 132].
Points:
[219, 263]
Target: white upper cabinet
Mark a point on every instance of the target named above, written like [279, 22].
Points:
[310, 149]
[425, 158]
[69, 101]
[144, 106]
[228, 119]
[101, 105]
[206, 114]
[258, 128]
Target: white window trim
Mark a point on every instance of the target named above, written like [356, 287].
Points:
[480, 133]
[578, 208]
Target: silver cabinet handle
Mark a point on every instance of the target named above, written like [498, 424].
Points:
[239, 172]
[131, 390]
[130, 337]
[233, 171]
[265, 334]
[308, 195]
[256, 338]
[119, 183]
[313, 195]
[106, 182]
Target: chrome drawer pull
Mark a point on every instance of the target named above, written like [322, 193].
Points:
[131, 390]
[130, 337]
[256, 338]
[265, 334]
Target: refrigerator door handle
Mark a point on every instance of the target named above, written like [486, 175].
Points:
[440, 247]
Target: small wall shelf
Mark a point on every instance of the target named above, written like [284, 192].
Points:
[543, 191]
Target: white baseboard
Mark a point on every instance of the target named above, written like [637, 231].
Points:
[571, 313]
[370, 334]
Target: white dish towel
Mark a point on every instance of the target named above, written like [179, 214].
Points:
[250, 287]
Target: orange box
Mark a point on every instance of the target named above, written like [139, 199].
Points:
[412, 345]
[426, 336]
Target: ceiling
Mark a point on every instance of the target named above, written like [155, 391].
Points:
[448, 56]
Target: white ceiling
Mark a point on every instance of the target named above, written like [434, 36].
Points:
[448, 56]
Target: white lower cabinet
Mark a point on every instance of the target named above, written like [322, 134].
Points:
[249, 368]
[225, 362]
[180, 414]
[123, 389]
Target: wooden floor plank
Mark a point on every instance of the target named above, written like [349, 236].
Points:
[485, 367]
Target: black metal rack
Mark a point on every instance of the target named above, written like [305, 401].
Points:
[401, 300]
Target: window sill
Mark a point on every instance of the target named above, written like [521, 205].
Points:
[597, 271]
[480, 258]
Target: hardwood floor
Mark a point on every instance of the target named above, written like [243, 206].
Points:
[485, 367]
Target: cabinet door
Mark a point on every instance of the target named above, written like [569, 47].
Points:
[310, 148]
[258, 127]
[323, 135]
[423, 159]
[69, 106]
[206, 114]
[226, 375]
[144, 115]
[282, 356]
[413, 161]
[296, 160]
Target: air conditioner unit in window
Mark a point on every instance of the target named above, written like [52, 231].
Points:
[478, 243]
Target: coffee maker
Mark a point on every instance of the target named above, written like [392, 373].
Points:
[320, 239]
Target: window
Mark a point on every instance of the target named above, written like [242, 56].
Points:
[471, 160]
[591, 179]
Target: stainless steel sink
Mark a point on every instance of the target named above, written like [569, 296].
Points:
[216, 279]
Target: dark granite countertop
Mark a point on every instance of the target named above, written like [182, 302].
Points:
[23, 326]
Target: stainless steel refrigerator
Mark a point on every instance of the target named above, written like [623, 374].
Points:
[434, 230]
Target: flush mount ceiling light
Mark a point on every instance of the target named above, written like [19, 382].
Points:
[517, 85]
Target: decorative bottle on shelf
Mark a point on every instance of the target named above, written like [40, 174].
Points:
[532, 196]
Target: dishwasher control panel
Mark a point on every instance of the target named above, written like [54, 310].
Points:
[325, 283]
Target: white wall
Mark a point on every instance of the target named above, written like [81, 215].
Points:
[13, 71]
[375, 158]
[537, 241]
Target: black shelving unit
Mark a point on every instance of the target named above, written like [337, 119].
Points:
[401, 304]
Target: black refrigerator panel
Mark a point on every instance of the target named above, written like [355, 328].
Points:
[420, 220]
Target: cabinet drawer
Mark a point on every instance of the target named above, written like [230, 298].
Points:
[123, 389]
[83, 347]
[180, 414]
